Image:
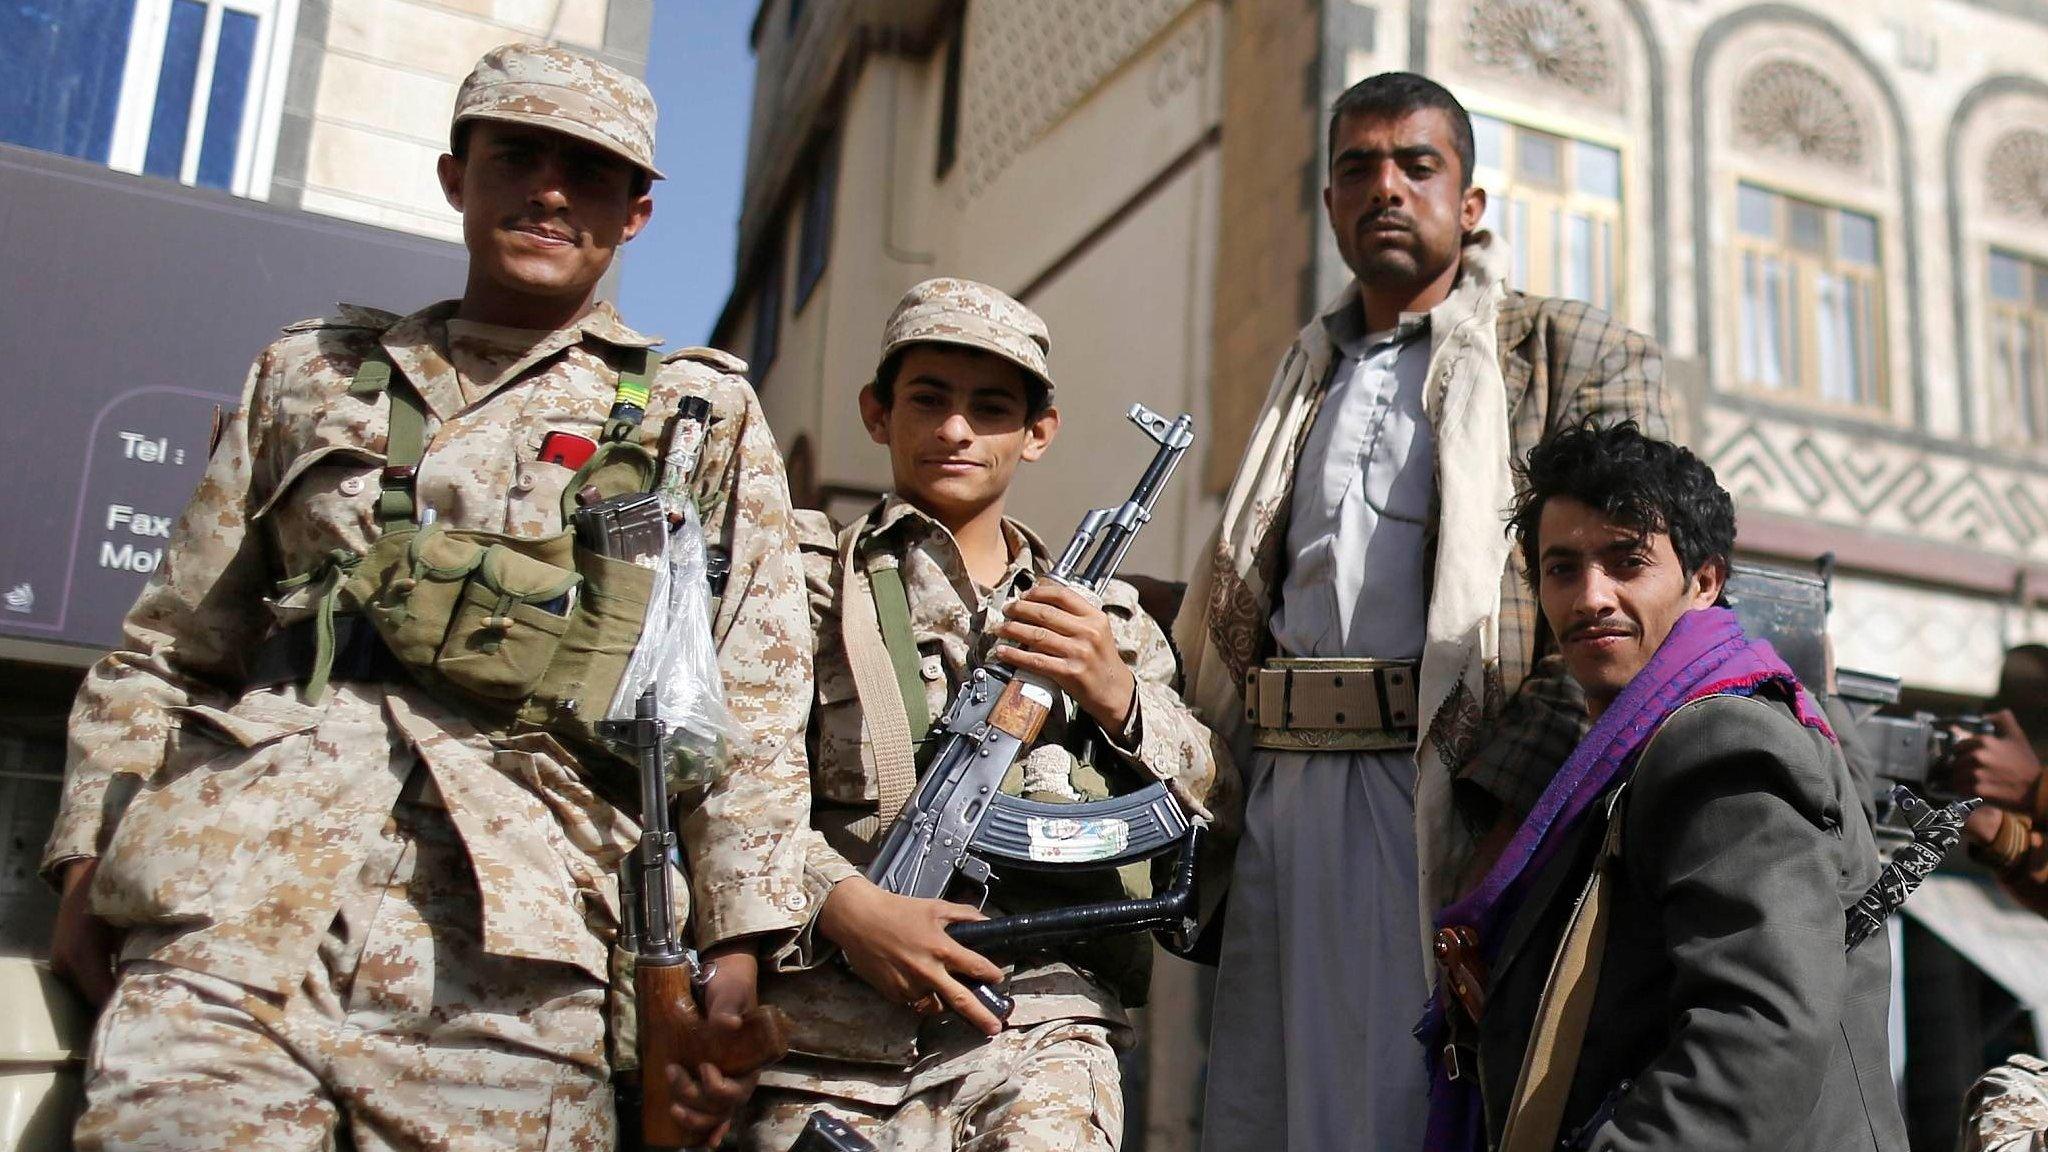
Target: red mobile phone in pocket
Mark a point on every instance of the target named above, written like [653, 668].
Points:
[569, 449]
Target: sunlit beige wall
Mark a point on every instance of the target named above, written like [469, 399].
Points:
[1093, 196]
[388, 70]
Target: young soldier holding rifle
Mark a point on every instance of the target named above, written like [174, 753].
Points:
[933, 580]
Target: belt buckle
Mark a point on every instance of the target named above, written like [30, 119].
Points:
[1453, 1069]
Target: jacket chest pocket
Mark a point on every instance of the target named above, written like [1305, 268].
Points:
[841, 768]
[326, 499]
[533, 503]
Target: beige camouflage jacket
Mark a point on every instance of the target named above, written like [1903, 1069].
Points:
[2007, 1108]
[229, 822]
[837, 1016]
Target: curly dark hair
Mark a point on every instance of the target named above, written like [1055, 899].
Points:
[1638, 482]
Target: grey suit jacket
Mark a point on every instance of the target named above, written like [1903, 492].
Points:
[1725, 1000]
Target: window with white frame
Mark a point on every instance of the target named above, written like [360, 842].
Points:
[1555, 201]
[60, 74]
[2018, 331]
[1809, 298]
[188, 90]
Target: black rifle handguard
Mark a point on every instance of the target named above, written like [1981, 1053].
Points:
[1169, 915]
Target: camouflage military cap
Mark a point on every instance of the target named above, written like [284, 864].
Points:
[566, 92]
[973, 315]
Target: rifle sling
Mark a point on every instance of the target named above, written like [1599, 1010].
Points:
[1549, 1064]
[892, 612]
[885, 676]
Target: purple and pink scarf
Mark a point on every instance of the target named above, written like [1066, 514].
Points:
[1706, 654]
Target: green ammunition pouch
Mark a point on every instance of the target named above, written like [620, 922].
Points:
[522, 633]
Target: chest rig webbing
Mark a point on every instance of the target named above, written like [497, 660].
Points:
[521, 632]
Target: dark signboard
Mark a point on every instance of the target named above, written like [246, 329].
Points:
[133, 310]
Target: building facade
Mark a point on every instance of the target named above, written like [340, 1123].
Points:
[1834, 218]
[1835, 221]
[1063, 150]
[332, 106]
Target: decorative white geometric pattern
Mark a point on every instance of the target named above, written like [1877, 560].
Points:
[1944, 641]
[1027, 64]
[1790, 106]
[1181, 62]
[2016, 175]
[1940, 496]
[1553, 40]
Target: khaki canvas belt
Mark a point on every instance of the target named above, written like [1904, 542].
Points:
[1305, 705]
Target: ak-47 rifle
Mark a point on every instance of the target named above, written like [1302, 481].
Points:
[1915, 750]
[1790, 609]
[1903, 759]
[667, 976]
[959, 824]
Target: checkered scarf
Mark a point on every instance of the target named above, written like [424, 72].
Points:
[1223, 630]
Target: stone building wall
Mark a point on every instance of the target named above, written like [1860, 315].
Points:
[1922, 117]
[1271, 205]
[373, 81]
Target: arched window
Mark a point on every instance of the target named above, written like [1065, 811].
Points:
[2016, 324]
[1808, 298]
[1803, 221]
[1555, 201]
[2001, 275]
[1566, 103]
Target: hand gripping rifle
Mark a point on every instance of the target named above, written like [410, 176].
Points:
[667, 976]
[959, 823]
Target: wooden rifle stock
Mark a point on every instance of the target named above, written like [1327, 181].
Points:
[673, 1031]
[1457, 952]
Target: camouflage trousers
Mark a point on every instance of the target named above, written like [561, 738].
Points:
[405, 1034]
[1054, 1087]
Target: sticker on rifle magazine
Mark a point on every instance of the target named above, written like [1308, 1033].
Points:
[1058, 840]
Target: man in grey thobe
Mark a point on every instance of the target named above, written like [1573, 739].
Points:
[1326, 861]
[1361, 642]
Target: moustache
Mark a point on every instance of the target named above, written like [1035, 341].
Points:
[543, 227]
[1614, 627]
[1387, 218]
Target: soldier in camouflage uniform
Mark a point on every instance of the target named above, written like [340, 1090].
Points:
[962, 397]
[361, 915]
[2007, 1109]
